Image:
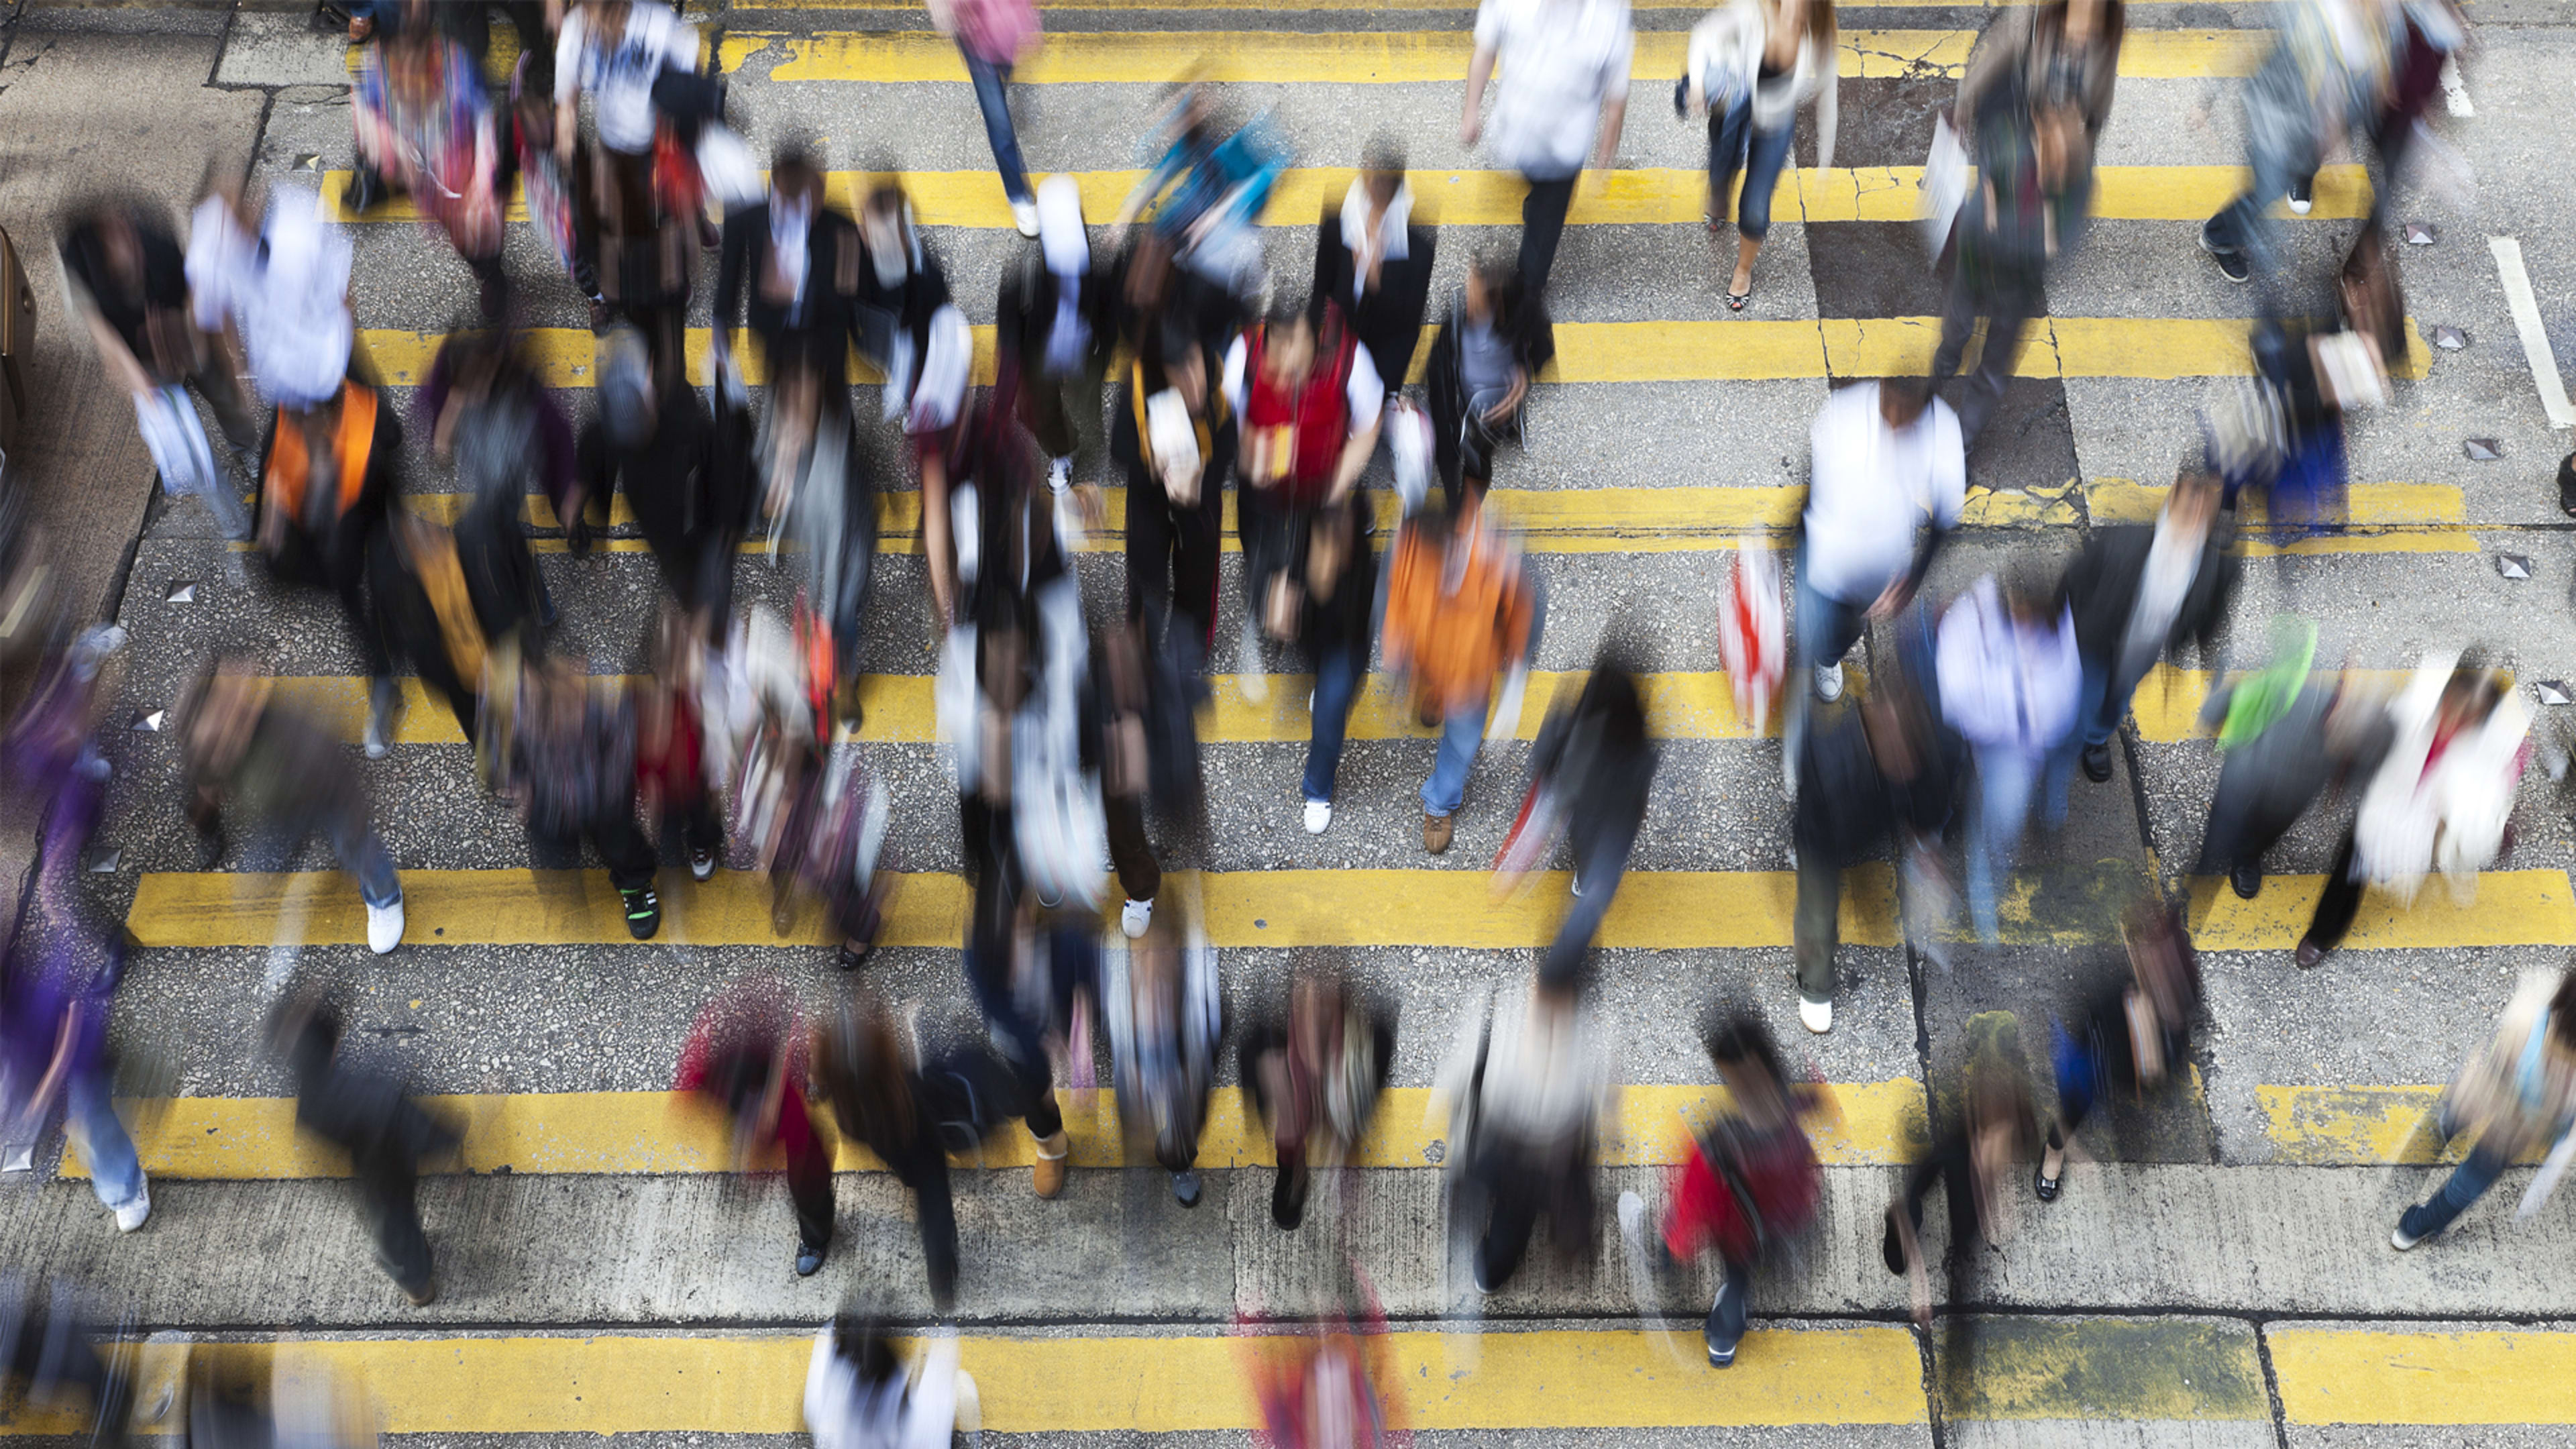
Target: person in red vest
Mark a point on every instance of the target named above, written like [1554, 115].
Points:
[1308, 395]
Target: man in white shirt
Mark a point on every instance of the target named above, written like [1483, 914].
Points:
[1565, 68]
[1887, 457]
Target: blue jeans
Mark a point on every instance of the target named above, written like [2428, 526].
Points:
[1459, 737]
[2006, 779]
[1767, 155]
[1337, 683]
[114, 1172]
[1598, 864]
[2467, 1184]
[2104, 700]
[989, 80]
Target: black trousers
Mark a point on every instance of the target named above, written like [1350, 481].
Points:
[1173, 554]
[1139, 874]
[622, 847]
[388, 1196]
[809, 1184]
[2339, 902]
[924, 1169]
[1542, 226]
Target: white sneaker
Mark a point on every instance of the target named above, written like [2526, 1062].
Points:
[1024, 215]
[384, 927]
[1059, 474]
[1816, 1016]
[702, 864]
[1319, 816]
[1574, 886]
[2397, 1239]
[1134, 917]
[1829, 681]
[376, 746]
[136, 1213]
[1632, 1216]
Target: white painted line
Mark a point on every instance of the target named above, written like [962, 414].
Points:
[2455, 96]
[2535, 338]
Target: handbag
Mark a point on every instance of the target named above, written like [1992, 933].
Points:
[1408, 439]
[1945, 186]
[176, 439]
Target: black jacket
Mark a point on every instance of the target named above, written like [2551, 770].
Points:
[1025, 316]
[2102, 586]
[1846, 804]
[1388, 321]
[1523, 324]
[834, 261]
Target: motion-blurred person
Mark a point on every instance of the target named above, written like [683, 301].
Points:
[2514, 1096]
[1310, 399]
[1133, 720]
[672, 767]
[2132, 1032]
[284, 290]
[50, 1351]
[1593, 757]
[790, 269]
[616, 52]
[1751, 1181]
[2283, 432]
[2283, 737]
[1565, 68]
[1887, 457]
[325, 488]
[742, 1062]
[1493, 343]
[367, 1114]
[2031, 108]
[442, 601]
[1525, 1095]
[1336, 628]
[54, 1008]
[2138, 590]
[992, 36]
[2010, 680]
[813, 825]
[1025, 964]
[1054, 317]
[1865, 776]
[919, 342]
[426, 128]
[821, 502]
[128, 283]
[912, 1113]
[1208, 189]
[1750, 66]
[1316, 1068]
[1459, 610]
[1376, 264]
[2434, 32]
[1318, 1385]
[663, 447]
[289, 774]
[568, 756]
[861, 1394]
[2442, 798]
[1174, 434]
[2326, 76]
[1976, 1158]
[493, 416]
[1149, 291]
[1161, 1003]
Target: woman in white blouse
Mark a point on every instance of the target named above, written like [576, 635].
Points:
[1752, 64]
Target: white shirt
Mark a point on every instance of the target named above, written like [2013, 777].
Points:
[2006, 686]
[1365, 390]
[916, 1412]
[1870, 485]
[2171, 562]
[620, 79]
[290, 305]
[1558, 62]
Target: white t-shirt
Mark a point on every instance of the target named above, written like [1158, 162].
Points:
[1364, 390]
[1557, 63]
[620, 78]
[1870, 485]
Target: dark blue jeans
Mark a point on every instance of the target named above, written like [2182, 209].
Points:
[1337, 683]
[2467, 1184]
[1767, 155]
[989, 80]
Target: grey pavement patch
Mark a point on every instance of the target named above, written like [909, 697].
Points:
[286, 49]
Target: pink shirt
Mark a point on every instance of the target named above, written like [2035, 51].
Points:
[995, 31]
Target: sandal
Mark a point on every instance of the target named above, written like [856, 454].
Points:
[2040, 1182]
[1735, 300]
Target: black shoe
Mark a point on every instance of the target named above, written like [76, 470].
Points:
[365, 191]
[851, 958]
[2231, 261]
[809, 1260]
[1288, 1199]
[1484, 1274]
[2303, 195]
[2097, 762]
[1725, 1327]
[643, 912]
[2040, 1182]
[2247, 881]
[1186, 1188]
[1891, 1248]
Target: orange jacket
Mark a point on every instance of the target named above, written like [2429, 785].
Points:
[1453, 638]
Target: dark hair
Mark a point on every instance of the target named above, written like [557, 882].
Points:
[2562, 1009]
[862, 1341]
[1740, 1035]
[1383, 153]
[792, 159]
[1610, 696]
[1287, 313]
[1912, 391]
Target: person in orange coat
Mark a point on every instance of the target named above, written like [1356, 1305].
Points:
[1459, 609]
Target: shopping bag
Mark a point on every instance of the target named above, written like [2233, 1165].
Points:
[1945, 186]
[176, 440]
[1408, 440]
[1752, 632]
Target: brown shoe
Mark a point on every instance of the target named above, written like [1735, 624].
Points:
[1436, 830]
[1047, 1173]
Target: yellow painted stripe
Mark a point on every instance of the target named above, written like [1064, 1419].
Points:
[1640, 197]
[1391, 57]
[2142, 347]
[2103, 1369]
[2352, 1126]
[255, 1139]
[602, 1384]
[2389, 1376]
[2510, 908]
[1658, 910]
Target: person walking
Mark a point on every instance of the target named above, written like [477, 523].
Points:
[2132, 1032]
[128, 282]
[2283, 738]
[2513, 1097]
[1864, 776]
[741, 1063]
[2139, 590]
[53, 1046]
[1565, 82]
[1375, 263]
[1593, 757]
[569, 758]
[1525, 1091]
[993, 36]
[861, 1393]
[789, 268]
[2327, 75]
[291, 777]
[1492, 345]
[1316, 1067]
[387, 1135]
[326, 487]
[1887, 458]
[1974, 1157]
[427, 128]
[1750, 65]
[1054, 317]
[1173, 433]
[2441, 799]
[1459, 609]
[2010, 681]
[2030, 109]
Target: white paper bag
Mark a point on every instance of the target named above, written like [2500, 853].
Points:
[1408, 439]
[1945, 186]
